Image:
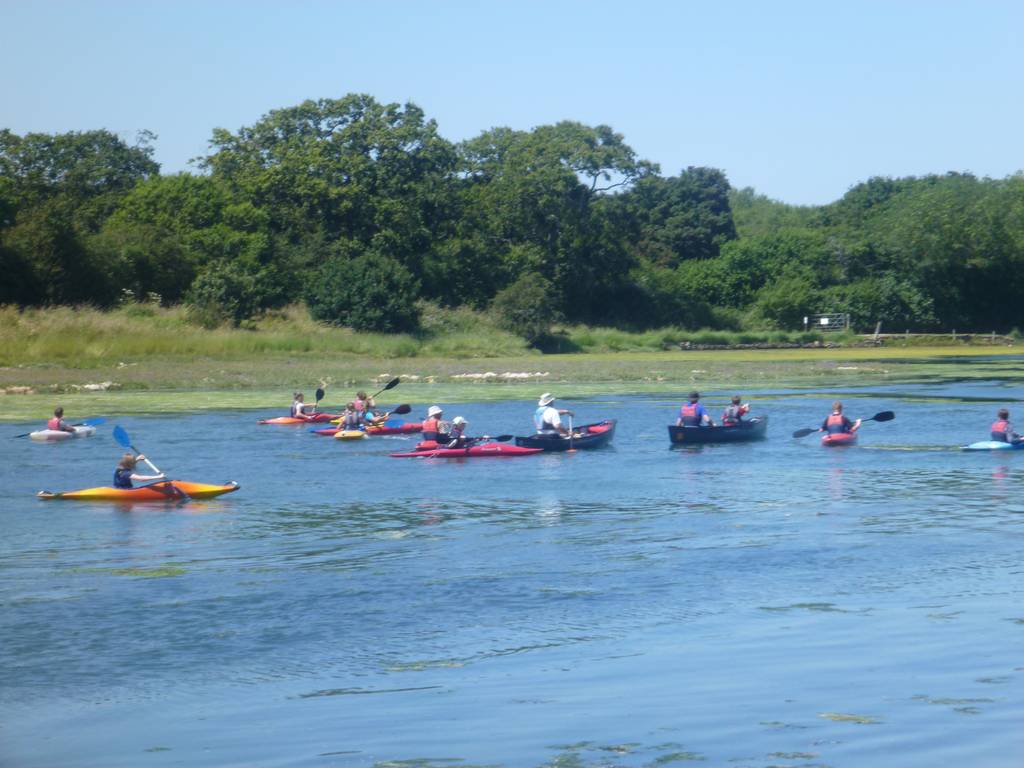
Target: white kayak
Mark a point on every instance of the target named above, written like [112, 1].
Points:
[994, 445]
[55, 435]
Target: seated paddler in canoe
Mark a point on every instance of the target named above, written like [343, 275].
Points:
[694, 414]
[547, 419]
[733, 414]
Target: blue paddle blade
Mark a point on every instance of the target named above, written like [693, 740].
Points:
[122, 437]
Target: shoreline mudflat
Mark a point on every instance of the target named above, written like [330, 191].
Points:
[170, 384]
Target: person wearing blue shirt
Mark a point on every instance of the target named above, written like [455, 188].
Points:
[693, 414]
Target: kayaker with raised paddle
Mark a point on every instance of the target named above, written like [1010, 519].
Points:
[57, 423]
[547, 418]
[694, 414]
[1001, 431]
[125, 472]
[733, 413]
[298, 410]
[836, 423]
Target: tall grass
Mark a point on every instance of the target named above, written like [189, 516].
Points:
[83, 336]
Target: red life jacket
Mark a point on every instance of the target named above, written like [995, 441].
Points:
[731, 415]
[688, 415]
[430, 425]
[999, 431]
[835, 424]
[53, 423]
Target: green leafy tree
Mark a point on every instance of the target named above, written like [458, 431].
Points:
[365, 291]
[683, 217]
[527, 308]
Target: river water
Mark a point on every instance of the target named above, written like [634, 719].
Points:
[767, 604]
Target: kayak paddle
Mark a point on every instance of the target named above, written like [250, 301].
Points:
[121, 436]
[882, 416]
[390, 385]
[319, 397]
[84, 423]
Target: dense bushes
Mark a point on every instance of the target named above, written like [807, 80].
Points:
[367, 292]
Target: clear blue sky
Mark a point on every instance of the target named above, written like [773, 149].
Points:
[799, 100]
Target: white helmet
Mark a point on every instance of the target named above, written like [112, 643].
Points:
[458, 420]
[546, 399]
[433, 411]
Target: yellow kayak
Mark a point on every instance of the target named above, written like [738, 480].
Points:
[162, 490]
[349, 434]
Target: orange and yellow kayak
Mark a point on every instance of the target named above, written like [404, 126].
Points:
[162, 490]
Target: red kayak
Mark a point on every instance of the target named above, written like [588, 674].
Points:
[404, 429]
[428, 449]
[840, 438]
[401, 429]
[312, 418]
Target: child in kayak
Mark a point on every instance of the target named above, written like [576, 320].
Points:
[125, 472]
[1001, 431]
[733, 414]
[455, 434]
[57, 423]
[837, 423]
[351, 418]
[363, 403]
[694, 414]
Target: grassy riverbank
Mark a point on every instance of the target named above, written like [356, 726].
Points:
[146, 360]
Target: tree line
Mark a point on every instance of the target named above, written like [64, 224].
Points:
[362, 209]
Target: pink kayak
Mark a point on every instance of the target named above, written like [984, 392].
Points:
[497, 450]
[313, 418]
[840, 438]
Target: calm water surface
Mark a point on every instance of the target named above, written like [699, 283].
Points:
[750, 605]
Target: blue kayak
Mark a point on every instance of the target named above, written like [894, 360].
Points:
[994, 445]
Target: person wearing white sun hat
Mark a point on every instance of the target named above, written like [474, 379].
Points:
[547, 418]
[433, 427]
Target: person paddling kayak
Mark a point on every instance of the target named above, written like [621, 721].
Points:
[57, 423]
[694, 414]
[733, 413]
[547, 418]
[433, 427]
[125, 472]
[1001, 431]
[836, 423]
[298, 409]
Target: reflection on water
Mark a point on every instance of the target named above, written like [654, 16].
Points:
[773, 603]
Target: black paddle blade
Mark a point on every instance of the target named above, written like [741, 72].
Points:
[883, 416]
[319, 395]
[391, 384]
[403, 408]
[804, 432]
